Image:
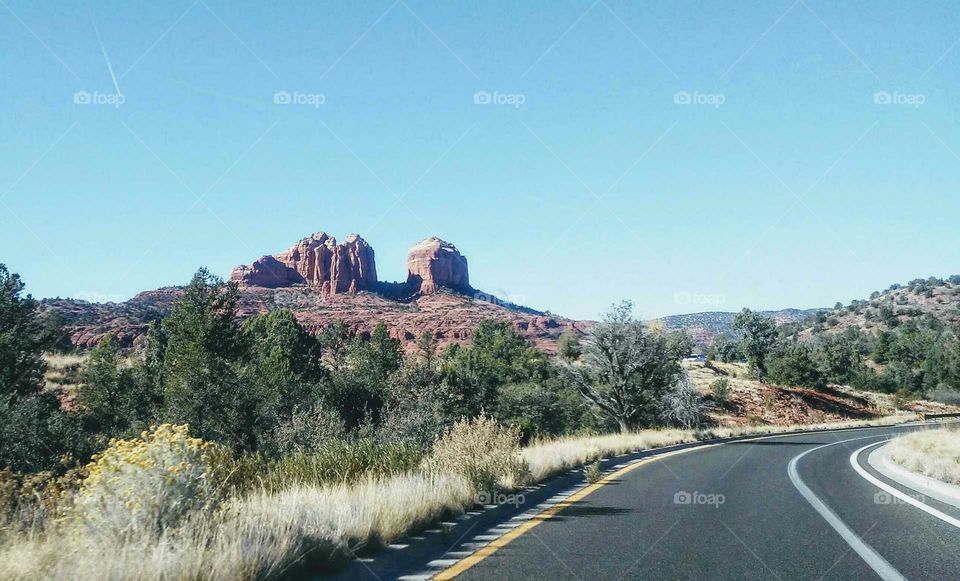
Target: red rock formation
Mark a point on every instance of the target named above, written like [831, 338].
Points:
[318, 280]
[268, 272]
[317, 261]
[434, 263]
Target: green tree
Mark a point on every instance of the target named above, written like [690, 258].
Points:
[427, 344]
[759, 335]
[34, 431]
[883, 346]
[841, 356]
[415, 408]
[359, 382]
[109, 396]
[496, 357]
[382, 353]
[625, 370]
[728, 351]
[283, 371]
[22, 340]
[568, 345]
[336, 341]
[533, 408]
[795, 364]
[203, 350]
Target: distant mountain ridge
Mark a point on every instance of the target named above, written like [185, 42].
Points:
[705, 327]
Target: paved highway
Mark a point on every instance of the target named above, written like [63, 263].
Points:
[785, 507]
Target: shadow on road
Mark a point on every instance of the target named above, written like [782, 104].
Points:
[582, 510]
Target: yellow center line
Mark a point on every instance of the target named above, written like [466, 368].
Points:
[467, 562]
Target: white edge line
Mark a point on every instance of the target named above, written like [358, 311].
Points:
[872, 558]
[855, 462]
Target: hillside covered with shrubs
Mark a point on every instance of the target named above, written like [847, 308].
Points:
[904, 340]
[249, 447]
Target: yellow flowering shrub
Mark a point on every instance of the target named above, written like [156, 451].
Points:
[142, 486]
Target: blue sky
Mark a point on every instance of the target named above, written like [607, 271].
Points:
[686, 155]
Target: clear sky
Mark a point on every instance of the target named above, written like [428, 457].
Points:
[686, 155]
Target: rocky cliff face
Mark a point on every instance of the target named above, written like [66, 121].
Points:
[433, 263]
[316, 261]
[320, 281]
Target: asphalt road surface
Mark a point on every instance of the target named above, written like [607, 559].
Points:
[786, 507]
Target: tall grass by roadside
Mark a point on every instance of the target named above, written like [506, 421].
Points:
[258, 536]
[307, 515]
[933, 453]
[550, 457]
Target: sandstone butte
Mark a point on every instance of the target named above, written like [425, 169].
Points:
[322, 281]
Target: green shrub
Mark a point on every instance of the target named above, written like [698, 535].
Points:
[592, 471]
[532, 407]
[721, 390]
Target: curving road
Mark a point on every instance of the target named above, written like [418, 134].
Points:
[783, 507]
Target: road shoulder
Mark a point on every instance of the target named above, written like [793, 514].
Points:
[946, 493]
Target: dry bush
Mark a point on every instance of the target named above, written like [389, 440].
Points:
[308, 430]
[486, 453]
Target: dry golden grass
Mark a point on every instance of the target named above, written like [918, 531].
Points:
[933, 453]
[266, 534]
[262, 535]
[63, 370]
[550, 457]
